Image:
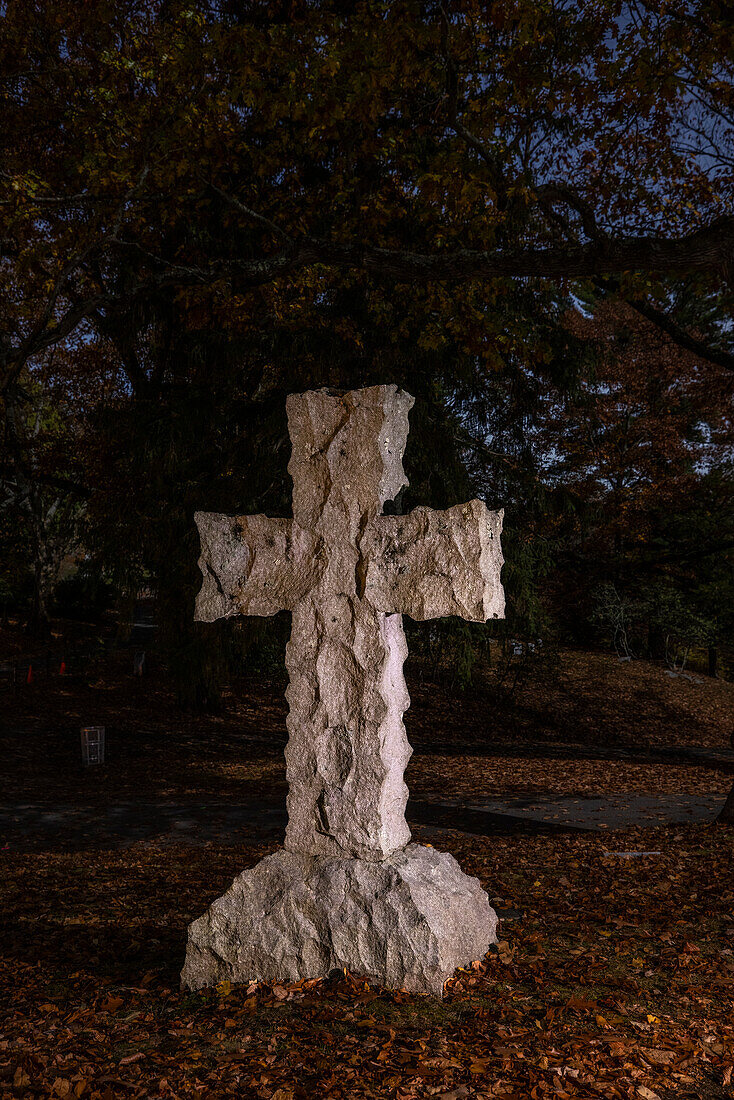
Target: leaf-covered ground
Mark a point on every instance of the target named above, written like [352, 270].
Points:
[614, 976]
[616, 980]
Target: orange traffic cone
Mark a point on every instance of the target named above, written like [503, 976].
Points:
[62, 669]
[29, 677]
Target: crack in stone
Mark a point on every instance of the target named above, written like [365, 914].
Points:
[215, 578]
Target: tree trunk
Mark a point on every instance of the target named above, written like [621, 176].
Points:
[726, 814]
[39, 624]
[713, 660]
[193, 650]
[655, 643]
[125, 608]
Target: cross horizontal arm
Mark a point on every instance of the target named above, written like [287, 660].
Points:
[254, 565]
[428, 564]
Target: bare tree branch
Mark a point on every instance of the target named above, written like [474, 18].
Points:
[678, 335]
[670, 327]
[551, 193]
[710, 249]
[249, 213]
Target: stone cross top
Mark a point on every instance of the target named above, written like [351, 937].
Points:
[347, 573]
[347, 890]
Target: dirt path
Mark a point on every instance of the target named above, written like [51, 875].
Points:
[35, 827]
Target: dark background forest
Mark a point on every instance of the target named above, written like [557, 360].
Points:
[521, 213]
[156, 154]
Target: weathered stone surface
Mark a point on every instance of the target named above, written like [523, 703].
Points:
[347, 747]
[428, 564]
[406, 922]
[253, 565]
[347, 574]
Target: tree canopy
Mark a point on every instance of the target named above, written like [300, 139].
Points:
[247, 155]
[520, 212]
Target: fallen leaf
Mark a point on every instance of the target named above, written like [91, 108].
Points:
[21, 1080]
[659, 1057]
[581, 1003]
[505, 952]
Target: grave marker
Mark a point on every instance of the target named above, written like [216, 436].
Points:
[348, 890]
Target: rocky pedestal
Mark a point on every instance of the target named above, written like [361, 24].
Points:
[406, 922]
[346, 891]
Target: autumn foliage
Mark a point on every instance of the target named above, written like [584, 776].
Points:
[521, 212]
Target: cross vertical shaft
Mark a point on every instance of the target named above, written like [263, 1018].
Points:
[347, 747]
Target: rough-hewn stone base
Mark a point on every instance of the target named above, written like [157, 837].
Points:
[406, 922]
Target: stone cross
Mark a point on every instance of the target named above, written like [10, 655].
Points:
[347, 573]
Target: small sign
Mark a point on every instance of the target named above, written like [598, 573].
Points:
[92, 745]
